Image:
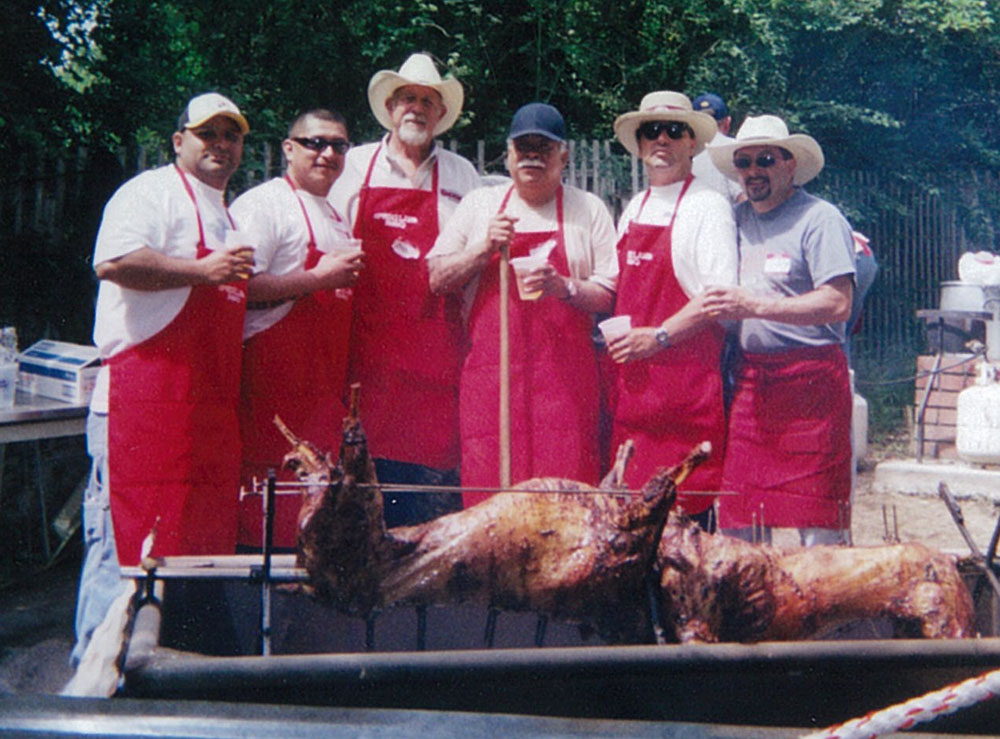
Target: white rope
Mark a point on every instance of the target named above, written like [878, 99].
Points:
[917, 710]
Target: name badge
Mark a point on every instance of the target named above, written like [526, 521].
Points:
[777, 263]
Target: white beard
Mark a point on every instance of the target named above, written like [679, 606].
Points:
[413, 135]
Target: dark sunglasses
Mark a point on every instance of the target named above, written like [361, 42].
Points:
[763, 161]
[651, 130]
[318, 144]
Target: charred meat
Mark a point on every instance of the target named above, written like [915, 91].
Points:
[715, 588]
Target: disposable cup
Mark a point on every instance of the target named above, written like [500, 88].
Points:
[8, 384]
[615, 326]
[346, 246]
[523, 266]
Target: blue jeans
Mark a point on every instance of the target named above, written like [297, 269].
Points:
[404, 508]
[100, 577]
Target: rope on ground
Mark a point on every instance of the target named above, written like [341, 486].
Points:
[917, 710]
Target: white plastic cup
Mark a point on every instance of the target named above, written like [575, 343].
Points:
[616, 326]
[8, 384]
[346, 247]
[523, 266]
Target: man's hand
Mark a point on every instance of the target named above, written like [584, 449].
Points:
[227, 265]
[500, 231]
[338, 270]
[730, 303]
[638, 343]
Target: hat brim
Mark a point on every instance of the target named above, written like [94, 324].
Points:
[808, 155]
[235, 117]
[702, 124]
[387, 81]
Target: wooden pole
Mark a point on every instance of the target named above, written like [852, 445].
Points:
[504, 370]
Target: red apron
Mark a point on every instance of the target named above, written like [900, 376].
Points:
[553, 380]
[406, 343]
[668, 403]
[173, 437]
[295, 369]
[789, 452]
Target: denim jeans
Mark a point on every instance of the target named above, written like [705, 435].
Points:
[100, 577]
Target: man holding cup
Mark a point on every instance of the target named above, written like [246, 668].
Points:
[675, 239]
[567, 238]
[298, 314]
[162, 430]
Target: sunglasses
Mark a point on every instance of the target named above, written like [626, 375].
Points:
[651, 130]
[537, 145]
[318, 144]
[763, 161]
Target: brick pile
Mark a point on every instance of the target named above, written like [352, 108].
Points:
[941, 414]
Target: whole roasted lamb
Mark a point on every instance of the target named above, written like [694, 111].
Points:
[716, 588]
[576, 553]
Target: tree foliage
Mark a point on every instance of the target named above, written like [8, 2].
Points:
[908, 85]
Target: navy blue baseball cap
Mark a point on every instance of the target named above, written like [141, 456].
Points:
[539, 119]
[712, 104]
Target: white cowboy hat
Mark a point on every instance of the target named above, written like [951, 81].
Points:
[665, 106]
[419, 69]
[770, 130]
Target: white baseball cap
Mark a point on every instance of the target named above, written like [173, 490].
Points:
[204, 107]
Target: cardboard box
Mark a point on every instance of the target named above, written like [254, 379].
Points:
[57, 369]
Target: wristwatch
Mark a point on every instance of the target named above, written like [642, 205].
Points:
[572, 289]
[662, 337]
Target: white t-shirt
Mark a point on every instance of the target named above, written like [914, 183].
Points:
[703, 241]
[154, 210]
[588, 230]
[270, 213]
[456, 177]
[705, 170]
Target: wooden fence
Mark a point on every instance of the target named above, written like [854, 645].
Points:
[917, 243]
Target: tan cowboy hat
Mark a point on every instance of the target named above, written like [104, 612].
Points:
[770, 130]
[665, 105]
[419, 69]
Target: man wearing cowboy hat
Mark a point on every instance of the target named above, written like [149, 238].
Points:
[675, 239]
[554, 395]
[298, 321]
[405, 342]
[789, 452]
[162, 430]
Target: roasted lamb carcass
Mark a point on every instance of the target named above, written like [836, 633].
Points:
[716, 588]
[574, 552]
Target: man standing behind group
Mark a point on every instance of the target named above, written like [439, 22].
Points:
[162, 430]
[406, 343]
[703, 168]
[675, 239]
[553, 366]
[299, 313]
[789, 453]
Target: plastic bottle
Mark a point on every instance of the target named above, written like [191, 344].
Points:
[977, 436]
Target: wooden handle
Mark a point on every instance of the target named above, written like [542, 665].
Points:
[504, 370]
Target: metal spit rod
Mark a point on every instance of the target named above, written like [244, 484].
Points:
[295, 488]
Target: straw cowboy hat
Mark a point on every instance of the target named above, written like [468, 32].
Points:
[419, 69]
[665, 105]
[770, 130]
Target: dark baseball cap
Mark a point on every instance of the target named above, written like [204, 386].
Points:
[539, 119]
[712, 104]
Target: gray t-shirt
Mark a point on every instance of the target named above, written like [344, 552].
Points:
[791, 250]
